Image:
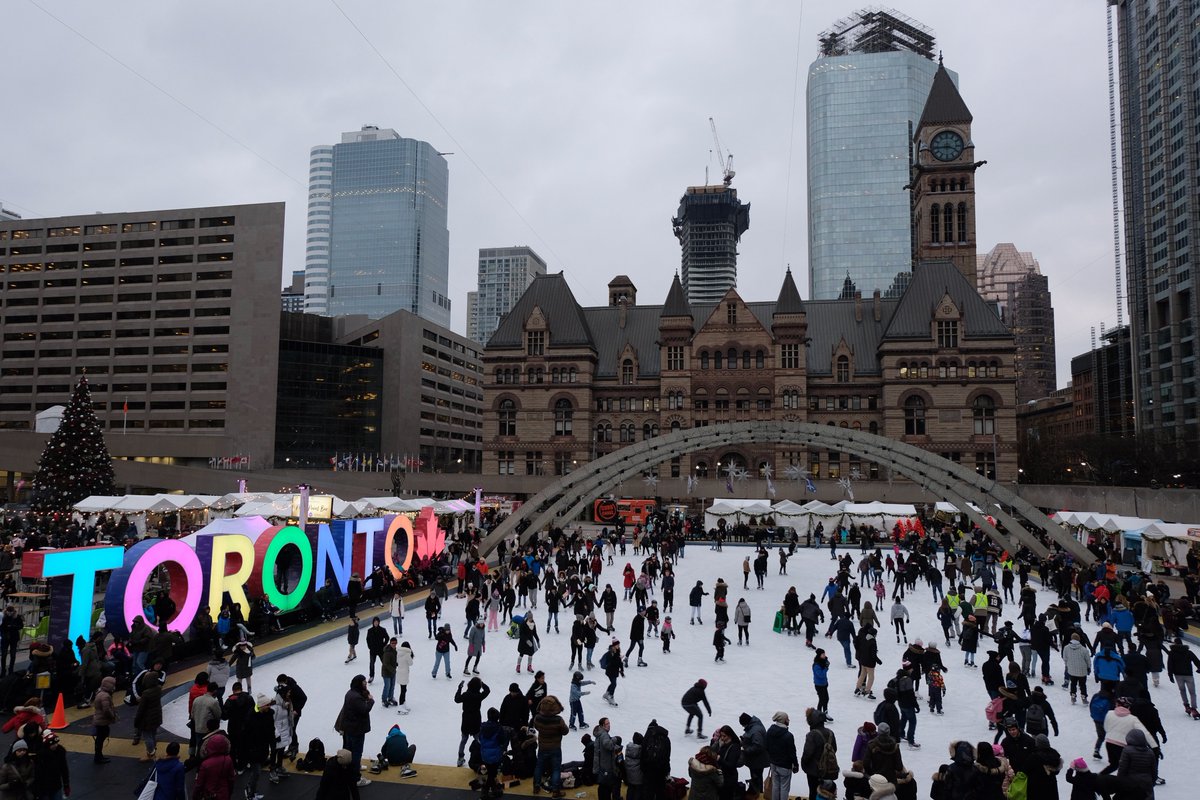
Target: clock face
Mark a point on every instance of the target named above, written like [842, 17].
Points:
[946, 146]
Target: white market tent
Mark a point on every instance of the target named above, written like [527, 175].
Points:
[250, 527]
[96, 503]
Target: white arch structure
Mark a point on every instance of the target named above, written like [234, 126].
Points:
[566, 498]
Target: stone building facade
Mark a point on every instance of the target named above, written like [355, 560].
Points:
[564, 384]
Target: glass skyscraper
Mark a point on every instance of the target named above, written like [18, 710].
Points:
[866, 93]
[1159, 139]
[388, 244]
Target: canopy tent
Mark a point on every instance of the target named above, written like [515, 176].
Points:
[1095, 521]
[97, 503]
[1166, 543]
[733, 510]
[250, 527]
[787, 508]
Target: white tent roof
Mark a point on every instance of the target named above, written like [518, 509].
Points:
[1171, 530]
[146, 503]
[97, 502]
[250, 527]
[787, 508]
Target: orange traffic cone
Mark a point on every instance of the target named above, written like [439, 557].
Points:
[58, 720]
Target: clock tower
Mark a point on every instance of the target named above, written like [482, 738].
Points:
[943, 180]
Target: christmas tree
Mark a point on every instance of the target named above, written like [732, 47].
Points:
[75, 463]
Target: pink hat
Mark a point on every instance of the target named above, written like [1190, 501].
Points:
[1080, 765]
[998, 750]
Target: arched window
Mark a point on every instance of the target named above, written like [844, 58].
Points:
[704, 360]
[563, 416]
[646, 434]
[843, 369]
[507, 413]
[731, 359]
[627, 371]
[984, 412]
[962, 223]
[701, 469]
[603, 432]
[873, 427]
[627, 432]
[948, 222]
[914, 416]
[573, 374]
[935, 223]
[745, 359]
[760, 359]
[675, 425]
[717, 359]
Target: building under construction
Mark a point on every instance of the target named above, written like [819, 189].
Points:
[876, 30]
[708, 225]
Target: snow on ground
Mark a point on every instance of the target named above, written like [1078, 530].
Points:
[773, 673]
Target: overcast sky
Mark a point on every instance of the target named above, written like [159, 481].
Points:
[575, 127]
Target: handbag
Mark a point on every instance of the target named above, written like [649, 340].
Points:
[149, 785]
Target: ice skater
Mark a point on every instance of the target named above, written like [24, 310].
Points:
[577, 693]
[691, 701]
[719, 642]
[899, 616]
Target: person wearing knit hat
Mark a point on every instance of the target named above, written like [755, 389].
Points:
[20, 744]
[781, 749]
[691, 701]
[881, 789]
[1080, 764]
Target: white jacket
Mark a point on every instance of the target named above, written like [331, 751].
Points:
[404, 660]
[398, 606]
[1117, 725]
[283, 724]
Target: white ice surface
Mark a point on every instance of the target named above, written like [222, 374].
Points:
[774, 673]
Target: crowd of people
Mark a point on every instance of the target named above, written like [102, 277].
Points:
[989, 614]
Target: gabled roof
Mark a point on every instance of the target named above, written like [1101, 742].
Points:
[789, 298]
[640, 332]
[931, 281]
[564, 316]
[945, 105]
[677, 304]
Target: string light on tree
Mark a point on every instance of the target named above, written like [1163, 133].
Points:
[75, 463]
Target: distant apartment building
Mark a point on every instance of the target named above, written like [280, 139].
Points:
[173, 315]
[291, 299]
[504, 275]
[377, 235]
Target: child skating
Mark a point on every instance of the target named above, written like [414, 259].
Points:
[719, 642]
[577, 693]
[667, 634]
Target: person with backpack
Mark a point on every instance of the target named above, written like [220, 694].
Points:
[1039, 715]
[818, 758]
[656, 760]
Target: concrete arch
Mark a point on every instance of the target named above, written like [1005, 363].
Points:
[563, 500]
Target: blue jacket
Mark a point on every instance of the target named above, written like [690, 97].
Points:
[170, 779]
[577, 691]
[1121, 619]
[1108, 665]
[820, 675]
[493, 740]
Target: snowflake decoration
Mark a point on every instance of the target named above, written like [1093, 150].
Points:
[651, 480]
[796, 472]
[691, 483]
[847, 488]
[855, 475]
[767, 472]
[740, 474]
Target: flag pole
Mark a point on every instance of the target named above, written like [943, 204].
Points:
[125, 417]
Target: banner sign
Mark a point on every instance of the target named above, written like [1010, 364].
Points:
[244, 566]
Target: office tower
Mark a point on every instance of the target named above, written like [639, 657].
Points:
[173, 315]
[504, 275]
[1161, 184]
[708, 225]
[385, 232]
[866, 93]
[1012, 279]
[316, 245]
[292, 296]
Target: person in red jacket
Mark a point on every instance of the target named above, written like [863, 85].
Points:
[32, 711]
[214, 779]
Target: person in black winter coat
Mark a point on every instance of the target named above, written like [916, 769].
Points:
[754, 751]
[960, 778]
[887, 712]
[814, 747]
[729, 759]
[377, 640]
[514, 708]
[471, 699]
[691, 701]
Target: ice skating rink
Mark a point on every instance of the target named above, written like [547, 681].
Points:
[773, 673]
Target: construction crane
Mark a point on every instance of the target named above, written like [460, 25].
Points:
[725, 160]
